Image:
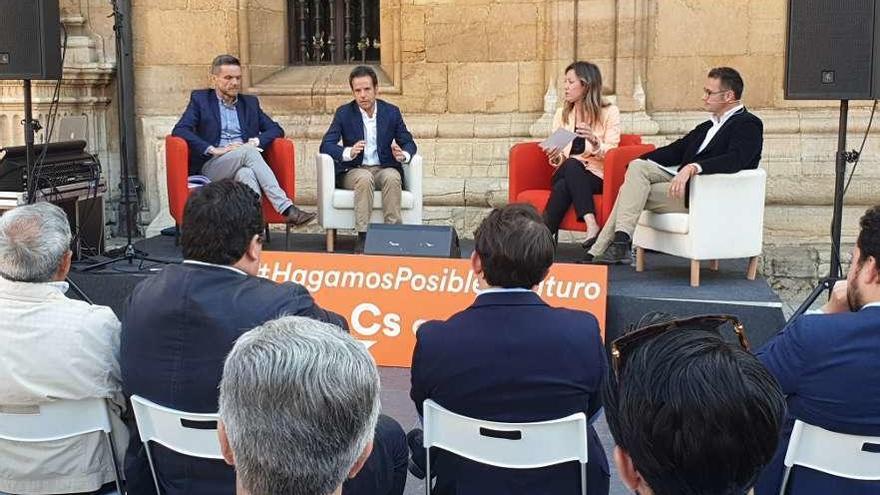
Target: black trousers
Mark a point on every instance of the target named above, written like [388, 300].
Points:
[572, 184]
[385, 470]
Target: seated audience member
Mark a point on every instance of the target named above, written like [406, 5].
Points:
[581, 163]
[829, 368]
[510, 357]
[372, 150]
[690, 414]
[53, 348]
[226, 131]
[180, 324]
[730, 141]
[279, 443]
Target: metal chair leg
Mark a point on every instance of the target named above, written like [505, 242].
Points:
[116, 471]
[152, 468]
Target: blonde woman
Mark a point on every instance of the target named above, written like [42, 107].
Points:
[579, 166]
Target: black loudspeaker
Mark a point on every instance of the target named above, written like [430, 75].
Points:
[30, 39]
[832, 50]
[412, 240]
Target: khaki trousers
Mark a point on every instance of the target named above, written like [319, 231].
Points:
[644, 188]
[366, 179]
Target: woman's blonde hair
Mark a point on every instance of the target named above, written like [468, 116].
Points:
[592, 101]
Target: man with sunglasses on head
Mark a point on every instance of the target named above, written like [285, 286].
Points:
[689, 412]
[180, 324]
[510, 357]
[829, 367]
[730, 141]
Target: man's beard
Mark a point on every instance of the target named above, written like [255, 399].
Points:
[853, 298]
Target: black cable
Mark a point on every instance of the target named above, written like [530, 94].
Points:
[51, 116]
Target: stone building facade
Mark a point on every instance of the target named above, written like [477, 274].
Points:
[473, 77]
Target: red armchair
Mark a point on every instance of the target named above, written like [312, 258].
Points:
[280, 155]
[530, 173]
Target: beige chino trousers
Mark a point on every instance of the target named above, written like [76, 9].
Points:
[366, 179]
[645, 188]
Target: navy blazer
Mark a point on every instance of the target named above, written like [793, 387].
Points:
[829, 369]
[177, 329]
[200, 125]
[510, 357]
[348, 127]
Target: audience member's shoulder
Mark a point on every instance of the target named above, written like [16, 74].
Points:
[583, 319]
[91, 315]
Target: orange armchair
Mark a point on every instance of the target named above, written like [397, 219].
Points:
[530, 174]
[280, 155]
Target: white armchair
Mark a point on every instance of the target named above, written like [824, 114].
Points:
[725, 219]
[336, 206]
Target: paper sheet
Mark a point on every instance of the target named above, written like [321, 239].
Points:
[558, 140]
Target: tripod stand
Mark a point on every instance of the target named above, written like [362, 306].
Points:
[842, 158]
[125, 100]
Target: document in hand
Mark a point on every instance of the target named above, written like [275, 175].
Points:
[558, 140]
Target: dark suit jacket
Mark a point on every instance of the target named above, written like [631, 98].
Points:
[177, 329]
[348, 126]
[200, 125]
[829, 369]
[511, 357]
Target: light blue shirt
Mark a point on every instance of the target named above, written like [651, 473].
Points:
[230, 128]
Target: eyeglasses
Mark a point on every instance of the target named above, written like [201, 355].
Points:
[708, 93]
[712, 323]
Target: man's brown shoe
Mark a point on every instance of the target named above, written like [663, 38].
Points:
[298, 217]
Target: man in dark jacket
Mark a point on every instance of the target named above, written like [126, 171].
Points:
[180, 324]
[511, 357]
[226, 132]
[374, 143]
[730, 141]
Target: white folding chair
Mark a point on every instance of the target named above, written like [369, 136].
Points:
[506, 445]
[191, 434]
[59, 420]
[837, 454]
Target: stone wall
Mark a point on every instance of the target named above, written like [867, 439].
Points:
[474, 77]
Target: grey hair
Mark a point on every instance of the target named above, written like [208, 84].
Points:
[221, 60]
[299, 399]
[33, 241]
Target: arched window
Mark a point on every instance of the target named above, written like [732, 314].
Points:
[333, 31]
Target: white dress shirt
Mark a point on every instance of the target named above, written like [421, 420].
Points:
[371, 148]
[716, 125]
[57, 348]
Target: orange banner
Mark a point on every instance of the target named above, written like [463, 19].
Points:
[386, 298]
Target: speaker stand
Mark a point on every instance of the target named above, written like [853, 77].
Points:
[842, 158]
[121, 25]
[31, 126]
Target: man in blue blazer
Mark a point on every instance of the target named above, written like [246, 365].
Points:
[227, 131]
[510, 357]
[375, 142]
[180, 324]
[829, 367]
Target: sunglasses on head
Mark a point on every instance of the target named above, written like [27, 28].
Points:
[712, 323]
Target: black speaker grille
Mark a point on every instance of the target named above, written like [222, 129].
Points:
[30, 39]
[830, 49]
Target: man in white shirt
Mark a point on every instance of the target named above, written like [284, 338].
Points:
[375, 142]
[730, 141]
[53, 348]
